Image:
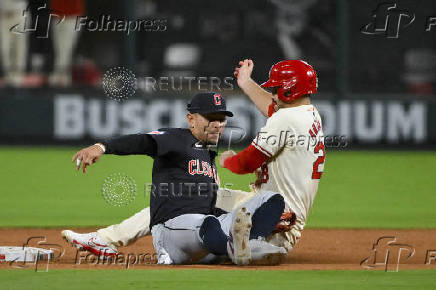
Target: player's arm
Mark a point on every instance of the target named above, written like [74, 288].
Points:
[124, 145]
[268, 142]
[131, 144]
[260, 97]
[246, 161]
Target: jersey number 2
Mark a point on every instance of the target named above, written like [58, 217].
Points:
[320, 160]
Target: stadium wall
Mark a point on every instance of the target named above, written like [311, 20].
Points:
[76, 118]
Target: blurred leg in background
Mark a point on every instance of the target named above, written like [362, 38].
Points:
[290, 22]
[13, 44]
[65, 38]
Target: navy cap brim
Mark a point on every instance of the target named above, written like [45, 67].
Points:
[227, 113]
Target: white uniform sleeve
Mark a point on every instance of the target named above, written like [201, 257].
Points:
[276, 134]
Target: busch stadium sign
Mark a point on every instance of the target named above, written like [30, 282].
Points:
[361, 121]
[84, 117]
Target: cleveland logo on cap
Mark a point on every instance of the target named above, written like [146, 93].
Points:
[217, 99]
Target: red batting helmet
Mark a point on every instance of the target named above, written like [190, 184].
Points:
[294, 78]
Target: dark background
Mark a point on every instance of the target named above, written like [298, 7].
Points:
[350, 64]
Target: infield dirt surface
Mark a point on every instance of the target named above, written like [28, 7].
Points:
[318, 249]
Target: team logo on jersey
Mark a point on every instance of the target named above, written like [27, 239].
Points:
[196, 166]
[156, 132]
[217, 99]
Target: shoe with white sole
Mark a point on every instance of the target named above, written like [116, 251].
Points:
[238, 246]
[264, 253]
[91, 242]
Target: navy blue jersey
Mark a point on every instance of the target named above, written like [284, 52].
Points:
[185, 179]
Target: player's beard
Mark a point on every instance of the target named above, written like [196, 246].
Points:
[212, 142]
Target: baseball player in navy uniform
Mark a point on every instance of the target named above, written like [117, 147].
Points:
[185, 223]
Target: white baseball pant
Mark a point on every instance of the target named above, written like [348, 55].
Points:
[177, 241]
[138, 225]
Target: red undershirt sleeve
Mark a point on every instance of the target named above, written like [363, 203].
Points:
[271, 110]
[246, 161]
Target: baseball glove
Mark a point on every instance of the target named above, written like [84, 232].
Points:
[287, 220]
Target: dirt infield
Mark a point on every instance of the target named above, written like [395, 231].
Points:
[317, 250]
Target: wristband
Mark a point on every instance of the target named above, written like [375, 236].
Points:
[101, 146]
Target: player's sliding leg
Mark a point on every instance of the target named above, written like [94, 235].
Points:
[264, 221]
[286, 239]
[90, 242]
[189, 238]
[177, 241]
[129, 230]
[238, 245]
[266, 209]
[107, 240]
[229, 199]
[138, 225]
[247, 227]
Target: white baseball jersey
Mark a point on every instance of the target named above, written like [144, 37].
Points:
[294, 141]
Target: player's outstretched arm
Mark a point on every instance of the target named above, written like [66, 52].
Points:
[260, 97]
[87, 156]
[123, 145]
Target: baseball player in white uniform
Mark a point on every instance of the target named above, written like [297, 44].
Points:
[287, 154]
[289, 149]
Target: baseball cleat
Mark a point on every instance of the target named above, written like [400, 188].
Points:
[91, 242]
[238, 246]
[265, 253]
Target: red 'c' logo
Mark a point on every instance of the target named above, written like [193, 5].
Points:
[217, 99]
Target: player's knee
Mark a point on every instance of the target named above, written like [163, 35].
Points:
[209, 222]
[278, 201]
[270, 195]
[267, 216]
[213, 237]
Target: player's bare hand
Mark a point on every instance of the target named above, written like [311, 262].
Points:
[255, 185]
[87, 156]
[225, 155]
[243, 72]
[258, 181]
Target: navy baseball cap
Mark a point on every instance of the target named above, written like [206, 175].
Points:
[208, 103]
